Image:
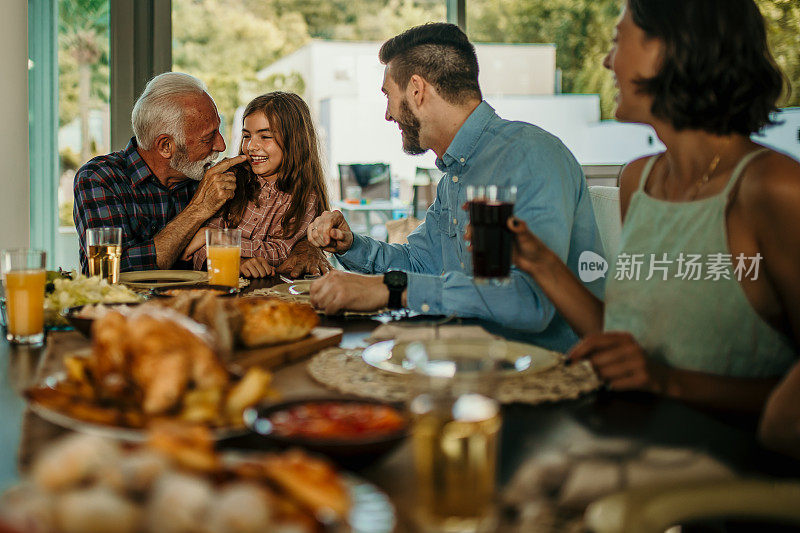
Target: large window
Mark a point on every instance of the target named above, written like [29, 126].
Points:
[83, 92]
[325, 51]
[540, 62]
[68, 110]
[579, 106]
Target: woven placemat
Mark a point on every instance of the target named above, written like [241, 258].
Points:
[346, 372]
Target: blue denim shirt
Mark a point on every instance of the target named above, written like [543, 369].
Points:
[551, 197]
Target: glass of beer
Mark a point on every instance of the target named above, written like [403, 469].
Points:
[224, 249]
[105, 252]
[24, 277]
[490, 207]
[455, 440]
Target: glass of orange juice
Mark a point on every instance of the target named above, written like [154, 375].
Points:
[24, 276]
[224, 248]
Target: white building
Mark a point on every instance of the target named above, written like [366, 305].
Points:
[343, 81]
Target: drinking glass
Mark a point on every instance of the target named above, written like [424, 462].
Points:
[224, 248]
[105, 252]
[490, 207]
[24, 277]
[455, 439]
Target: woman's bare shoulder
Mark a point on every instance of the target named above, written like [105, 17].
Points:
[771, 181]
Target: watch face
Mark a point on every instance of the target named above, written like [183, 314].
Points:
[395, 279]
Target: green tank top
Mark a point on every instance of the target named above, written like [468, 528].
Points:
[698, 318]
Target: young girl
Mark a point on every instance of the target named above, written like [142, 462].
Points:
[279, 190]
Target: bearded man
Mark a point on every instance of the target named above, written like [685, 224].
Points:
[432, 92]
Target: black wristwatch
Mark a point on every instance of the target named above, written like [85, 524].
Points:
[397, 282]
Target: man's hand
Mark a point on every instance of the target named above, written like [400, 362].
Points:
[304, 259]
[338, 291]
[330, 232]
[256, 267]
[216, 187]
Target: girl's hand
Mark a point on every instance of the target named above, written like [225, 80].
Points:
[529, 251]
[197, 242]
[256, 267]
[621, 362]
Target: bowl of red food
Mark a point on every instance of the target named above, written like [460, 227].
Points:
[352, 432]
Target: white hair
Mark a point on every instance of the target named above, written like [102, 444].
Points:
[159, 110]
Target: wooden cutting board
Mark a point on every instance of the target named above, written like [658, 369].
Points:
[281, 354]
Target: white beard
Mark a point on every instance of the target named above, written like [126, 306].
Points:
[191, 169]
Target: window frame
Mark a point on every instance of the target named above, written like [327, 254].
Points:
[43, 123]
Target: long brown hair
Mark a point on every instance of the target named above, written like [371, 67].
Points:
[300, 172]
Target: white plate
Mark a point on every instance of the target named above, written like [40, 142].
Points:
[371, 510]
[295, 288]
[114, 432]
[152, 279]
[516, 357]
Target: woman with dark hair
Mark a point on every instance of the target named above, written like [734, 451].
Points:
[703, 299]
[280, 189]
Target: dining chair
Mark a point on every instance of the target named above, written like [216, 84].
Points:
[374, 179]
[605, 202]
[425, 182]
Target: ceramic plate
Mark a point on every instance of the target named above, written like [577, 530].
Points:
[114, 432]
[295, 288]
[371, 510]
[515, 357]
[153, 279]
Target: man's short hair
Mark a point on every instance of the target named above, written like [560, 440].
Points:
[160, 108]
[440, 53]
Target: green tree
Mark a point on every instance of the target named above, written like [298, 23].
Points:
[575, 26]
[225, 43]
[83, 62]
[362, 19]
[783, 31]
[582, 30]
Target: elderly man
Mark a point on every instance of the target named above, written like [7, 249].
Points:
[432, 91]
[164, 185]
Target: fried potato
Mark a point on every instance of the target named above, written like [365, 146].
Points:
[202, 405]
[76, 367]
[247, 392]
[311, 481]
[190, 445]
[73, 405]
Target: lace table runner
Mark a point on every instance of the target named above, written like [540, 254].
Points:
[345, 372]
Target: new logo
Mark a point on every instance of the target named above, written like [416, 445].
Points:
[591, 266]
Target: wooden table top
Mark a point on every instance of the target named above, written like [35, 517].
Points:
[528, 431]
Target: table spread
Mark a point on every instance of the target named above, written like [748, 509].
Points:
[528, 431]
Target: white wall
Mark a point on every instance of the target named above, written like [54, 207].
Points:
[14, 195]
[353, 130]
[786, 135]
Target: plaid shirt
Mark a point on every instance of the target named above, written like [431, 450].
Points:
[119, 190]
[262, 231]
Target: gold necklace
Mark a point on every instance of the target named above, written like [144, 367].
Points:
[699, 184]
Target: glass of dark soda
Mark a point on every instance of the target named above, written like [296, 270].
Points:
[490, 207]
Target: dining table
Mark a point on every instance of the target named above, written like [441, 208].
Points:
[528, 431]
